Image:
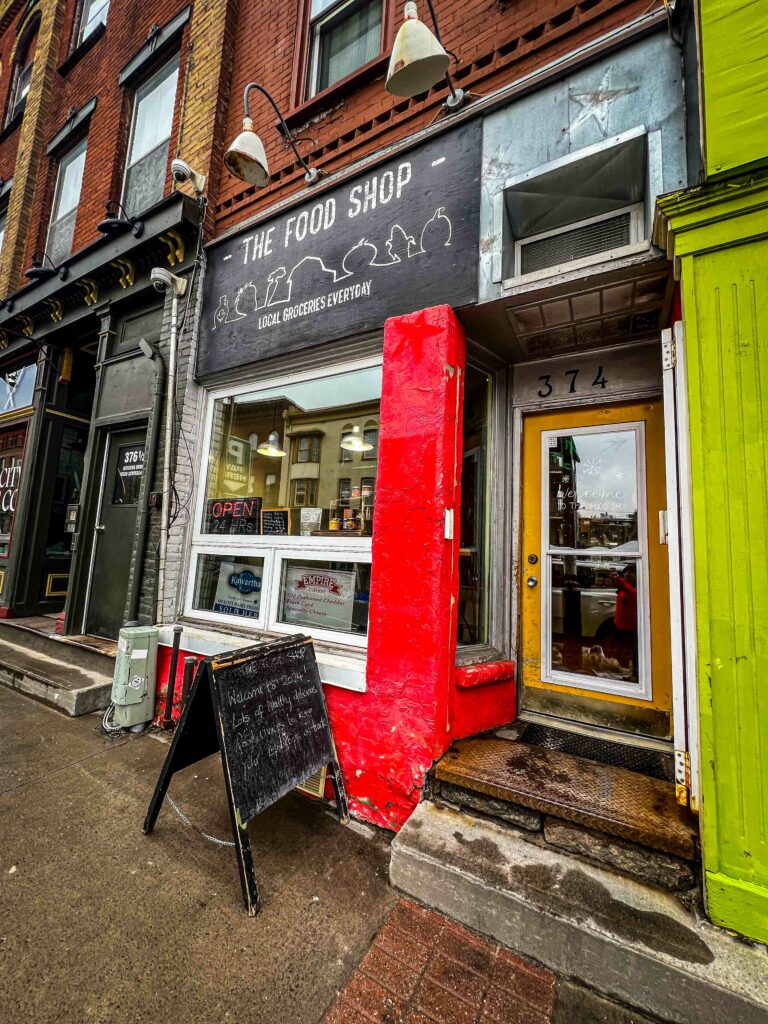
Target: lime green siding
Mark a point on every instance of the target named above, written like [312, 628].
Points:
[719, 237]
[735, 82]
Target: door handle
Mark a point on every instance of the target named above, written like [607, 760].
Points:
[532, 581]
[99, 529]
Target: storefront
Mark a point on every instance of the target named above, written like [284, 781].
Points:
[436, 497]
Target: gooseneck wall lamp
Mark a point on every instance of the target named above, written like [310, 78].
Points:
[39, 272]
[118, 222]
[246, 157]
[419, 60]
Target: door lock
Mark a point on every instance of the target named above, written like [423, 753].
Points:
[533, 559]
[532, 581]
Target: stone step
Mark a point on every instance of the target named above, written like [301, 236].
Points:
[631, 943]
[60, 682]
[83, 652]
[610, 800]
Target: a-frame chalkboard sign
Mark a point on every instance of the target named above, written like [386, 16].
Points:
[263, 708]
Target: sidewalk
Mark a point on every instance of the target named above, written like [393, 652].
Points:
[99, 923]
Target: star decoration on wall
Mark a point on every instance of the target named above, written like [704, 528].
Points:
[597, 104]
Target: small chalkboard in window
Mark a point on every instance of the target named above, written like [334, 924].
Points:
[276, 521]
[263, 709]
[233, 516]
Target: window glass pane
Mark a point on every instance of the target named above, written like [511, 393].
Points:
[60, 236]
[345, 41]
[66, 489]
[474, 520]
[250, 491]
[229, 584]
[70, 180]
[24, 82]
[153, 117]
[145, 181]
[2, 231]
[16, 388]
[326, 595]
[594, 628]
[129, 473]
[94, 14]
[11, 455]
[593, 490]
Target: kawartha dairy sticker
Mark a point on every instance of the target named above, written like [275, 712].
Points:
[239, 590]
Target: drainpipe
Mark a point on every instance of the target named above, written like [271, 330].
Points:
[153, 440]
[162, 279]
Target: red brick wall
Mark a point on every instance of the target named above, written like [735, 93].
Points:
[497, 42]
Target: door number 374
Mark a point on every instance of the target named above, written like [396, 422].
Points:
[546, 388]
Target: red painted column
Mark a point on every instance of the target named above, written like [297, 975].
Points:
[388, 737]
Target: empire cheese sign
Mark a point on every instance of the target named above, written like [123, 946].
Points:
[397, 239]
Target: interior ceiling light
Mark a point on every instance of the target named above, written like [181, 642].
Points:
[246, 158]
[419, 60]
[355, 441]
[271, 446]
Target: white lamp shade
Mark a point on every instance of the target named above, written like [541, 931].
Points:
[355, 441]
[271, 446]
[418, 60]
[246, 157]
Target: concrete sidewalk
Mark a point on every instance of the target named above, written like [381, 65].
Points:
[99, 923]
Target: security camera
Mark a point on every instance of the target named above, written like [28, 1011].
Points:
[163, 279]
[182, 173]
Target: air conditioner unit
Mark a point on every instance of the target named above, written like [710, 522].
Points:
[583, 242]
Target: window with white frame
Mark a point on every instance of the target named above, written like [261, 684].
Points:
[343, 36]
[151, 126]
[93, 14]
[283, 527]
[69, 180]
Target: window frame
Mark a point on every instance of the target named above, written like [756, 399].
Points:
[23, 58]
[152, 76]
[82, 24]
[66, 156]
[301, 96]
[273, 549]
[313, 442]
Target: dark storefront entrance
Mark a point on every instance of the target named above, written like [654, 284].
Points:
[122, 473]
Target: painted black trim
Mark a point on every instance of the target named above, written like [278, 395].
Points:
[145, 59]
[14, 122]
[72, 128]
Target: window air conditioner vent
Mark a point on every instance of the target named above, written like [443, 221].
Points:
[576, 242]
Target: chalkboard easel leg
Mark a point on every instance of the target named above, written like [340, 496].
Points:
[339, 792]
[245, 866]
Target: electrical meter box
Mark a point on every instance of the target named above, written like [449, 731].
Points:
[133, 687]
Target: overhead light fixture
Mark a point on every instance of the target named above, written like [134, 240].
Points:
[419, 60]
[117, 221]
[271, 447]
[39, 272]
[246, 158]
[7, 304]
[355, 441]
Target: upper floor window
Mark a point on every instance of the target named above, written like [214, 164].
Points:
[343, 36]
[69, 180]
[93, 14]
[150, 136]
[306, 448]
[21, 78]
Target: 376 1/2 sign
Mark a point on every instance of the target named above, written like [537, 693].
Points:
[576, 382]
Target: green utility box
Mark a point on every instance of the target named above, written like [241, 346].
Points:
[133, 686]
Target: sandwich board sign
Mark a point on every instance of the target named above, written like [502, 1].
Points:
[263, 709]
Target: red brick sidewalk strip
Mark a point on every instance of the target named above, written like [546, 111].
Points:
[424, 969]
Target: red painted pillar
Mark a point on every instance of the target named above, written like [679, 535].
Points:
[400, 726]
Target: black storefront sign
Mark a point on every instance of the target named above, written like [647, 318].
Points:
[400, 238]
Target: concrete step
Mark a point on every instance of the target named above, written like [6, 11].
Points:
[611, 800]
[91, 653]
[62, 682]
[632, 943]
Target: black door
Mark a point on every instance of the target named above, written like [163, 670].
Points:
[123, 473]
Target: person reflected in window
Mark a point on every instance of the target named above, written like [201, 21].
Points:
[625, 617]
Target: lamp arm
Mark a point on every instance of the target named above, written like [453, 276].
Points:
[448, 78]
[286, 129]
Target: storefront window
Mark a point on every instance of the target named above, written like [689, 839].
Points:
[11, 457]
[290, 487]
[474, 518]
[66, 488]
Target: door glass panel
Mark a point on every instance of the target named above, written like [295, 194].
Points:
[128, 475]
[593, 490]
[594, 616]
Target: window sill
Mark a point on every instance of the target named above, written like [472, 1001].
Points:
[328, 97]
[477, 654]
[76, 55]
[13, 124]
[485, 674]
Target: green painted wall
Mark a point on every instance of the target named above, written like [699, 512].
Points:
[719, 237]
[734, 44]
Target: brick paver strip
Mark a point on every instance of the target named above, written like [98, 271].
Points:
[423, 969]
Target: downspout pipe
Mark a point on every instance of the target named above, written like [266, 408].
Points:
[165, 510]
[152, 352]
